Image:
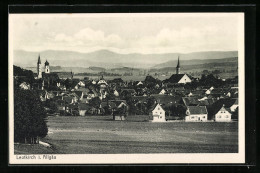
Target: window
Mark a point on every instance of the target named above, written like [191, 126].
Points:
[158, 108]
[160, 112]
[160, 116]
[203, 117]
[219, 116]
[226, 116]
[192, 117]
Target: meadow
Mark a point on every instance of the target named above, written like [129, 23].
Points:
[102, 135]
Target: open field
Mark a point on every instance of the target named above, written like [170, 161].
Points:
[102, 135]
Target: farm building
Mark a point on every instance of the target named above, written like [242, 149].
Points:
[196, 113]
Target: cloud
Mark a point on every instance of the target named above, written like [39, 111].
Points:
[89, 38]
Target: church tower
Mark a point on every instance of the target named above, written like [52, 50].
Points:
[47, 67]
[39, 69]
[178, 66]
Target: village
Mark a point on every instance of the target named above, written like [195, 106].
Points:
[179, 98]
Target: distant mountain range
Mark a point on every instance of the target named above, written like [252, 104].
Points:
[108, 59]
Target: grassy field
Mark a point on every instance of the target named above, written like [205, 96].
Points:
[100, 134]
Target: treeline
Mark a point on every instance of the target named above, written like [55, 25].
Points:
[98, 74]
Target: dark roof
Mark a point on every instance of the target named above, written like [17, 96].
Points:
[166, 99]
[197, 110]
[227, 102]
[190, 101]
[78, 93]
[175, 78]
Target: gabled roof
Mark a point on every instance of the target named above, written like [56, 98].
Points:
[227, 102]
[175, 78]
[166, 99]
[157, 104]
[197, 110]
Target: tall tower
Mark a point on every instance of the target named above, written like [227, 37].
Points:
[71, 73]
[39, 69]
[178, 66]
[47, 67]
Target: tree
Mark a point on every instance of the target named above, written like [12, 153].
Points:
[52, 105]
[95, 102]
[29, 117]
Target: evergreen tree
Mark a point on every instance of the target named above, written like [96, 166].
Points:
[29, 117]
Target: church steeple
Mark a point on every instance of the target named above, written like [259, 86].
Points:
[39, 59]
[39, 69]
[178, 66]
[47, 67]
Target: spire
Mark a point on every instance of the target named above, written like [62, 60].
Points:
[39, 59]
[178, 65]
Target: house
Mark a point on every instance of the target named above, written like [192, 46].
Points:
[196, 113]
[158, 114]
[81, 84]
[102, 83]
[162, 92]
[25, 86]
[116, 93]
[223, 114]
[139, 83]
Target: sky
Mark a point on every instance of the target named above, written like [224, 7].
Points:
[147, 33]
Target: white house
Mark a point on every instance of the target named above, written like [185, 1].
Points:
[162, 92]
[158, 114]
[116, 93]
[25, 86]
[196, 113]
[223, 115]
[139, 83]
[82, 84]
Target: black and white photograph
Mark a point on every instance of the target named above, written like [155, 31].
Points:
[100, 88]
